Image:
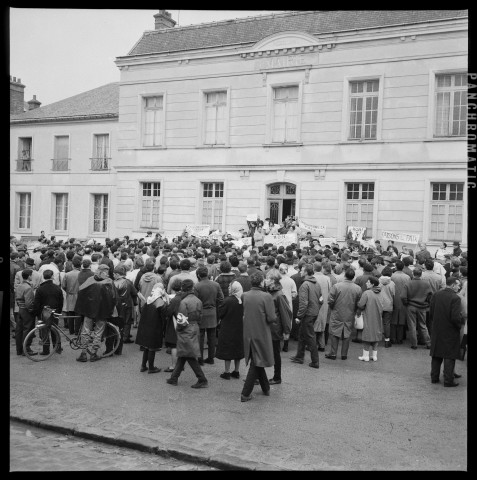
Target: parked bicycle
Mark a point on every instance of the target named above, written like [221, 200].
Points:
[43, 341]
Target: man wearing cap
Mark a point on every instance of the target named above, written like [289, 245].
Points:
[24, 297]
[97, 300]
[423, 253]
[457, 249]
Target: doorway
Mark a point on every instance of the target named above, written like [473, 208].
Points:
[281, 200]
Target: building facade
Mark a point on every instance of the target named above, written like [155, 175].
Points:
[340, 118]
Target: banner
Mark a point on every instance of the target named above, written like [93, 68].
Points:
[280, 240]
[326, 241]
[251, 217]
[401, 237]
[198, 230]
[320, 229]
[357, 232]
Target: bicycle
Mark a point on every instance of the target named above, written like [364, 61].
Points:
[47, 335]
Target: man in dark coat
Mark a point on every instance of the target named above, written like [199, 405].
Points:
[211, 296]
[298, 279]
[85, 271]
[258, 315]
[446, 318]
[97, 300]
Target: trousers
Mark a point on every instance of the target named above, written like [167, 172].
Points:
[277, 367]
[91, 334]
[211, 342]
[25, 323]
[387, 324]
[306, 337]
[194, 364]
[449, 365]
[416, 319]
[253, 373]
[334, 341]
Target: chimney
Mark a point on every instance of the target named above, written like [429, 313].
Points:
[17, 96]
[32, 104]
[163, 20]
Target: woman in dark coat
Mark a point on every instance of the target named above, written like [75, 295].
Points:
[230, 343]
[170, 335]
[150, 330]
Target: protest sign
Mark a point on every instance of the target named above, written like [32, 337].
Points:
[326, 241]
[400, 237]
[251, 217]
[280, 240]
[356, 232]
[304, 244]
[305, 227]
[198, 230]
[247, 241]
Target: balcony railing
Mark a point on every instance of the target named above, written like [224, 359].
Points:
[100, 164]
[24, 165]
[60, 164]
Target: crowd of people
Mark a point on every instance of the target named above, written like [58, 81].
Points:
[247, 301]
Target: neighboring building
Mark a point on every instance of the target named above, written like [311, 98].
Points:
[61, 179]
[338, 117]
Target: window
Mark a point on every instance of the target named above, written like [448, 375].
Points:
[451, 105]
[24, 211]
[61, 211]
[153, 121]
[62, 147]
[360, 205]
[100, 213]
[100, 160]
[24, 154]
[215, 118]
[212, 204]
[150, 202]
[285, 114]
[363, 110]
[447, 205]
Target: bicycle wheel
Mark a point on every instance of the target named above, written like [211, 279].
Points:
[39, 344]
[109, 340]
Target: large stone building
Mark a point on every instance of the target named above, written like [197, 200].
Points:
[338, 117]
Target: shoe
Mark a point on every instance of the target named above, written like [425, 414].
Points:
[45, 353]
[60, 350]
[314, 365]
[143, 369]
[94, 358]
[321, 349]
[118, 353]
[365, 356]
[266, 393]
[284, 349]
[154, 370]
[82, 357]
[201, 362]
[272, 381]
[171, 381]
[428, 347]
[225, 375]
[414, 347]
[453, 384]
[128, 341]
[169, 369]
[373, 355]
[344, 357]
[200, 384]
[357, 340]
[296, 360]
[387, 344]
[168, 350]
[235, 374]
[32, 353]
[331, 357]
[435, 381]
[456, 375]
[210, 361]
[244, 398]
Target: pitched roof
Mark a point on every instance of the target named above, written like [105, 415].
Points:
[253, 29]
[101, 102]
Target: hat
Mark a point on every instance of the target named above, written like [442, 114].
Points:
[103, 266]
[241, 230]
[355, 254]
[30, 261]
[456, 244]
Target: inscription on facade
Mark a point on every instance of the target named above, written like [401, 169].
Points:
[281, 62]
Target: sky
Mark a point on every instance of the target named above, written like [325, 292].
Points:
[58, 53]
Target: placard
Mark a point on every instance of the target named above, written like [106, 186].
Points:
[356, 232]
[326, 241]
[198, 230]
[400, 237]
[320, 229]
[281, 239]
[251, 217]
[304, 244]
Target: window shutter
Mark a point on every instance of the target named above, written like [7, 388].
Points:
[61, 147]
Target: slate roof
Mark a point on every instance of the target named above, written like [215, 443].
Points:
[253, 29]
[101, 102]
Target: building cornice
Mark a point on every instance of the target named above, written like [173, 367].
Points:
[72, 118]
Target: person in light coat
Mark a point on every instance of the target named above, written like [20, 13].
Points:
[388, 291]
[321, 327]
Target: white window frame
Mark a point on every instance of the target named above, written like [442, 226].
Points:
[199, 197]
[53, 210]
[270, 111]
[55, 135]
[93, 141]
[201, 117]
[17, 211]
[345, 113]
[161, 182]
[201, 203]
[19, 157]
[142, 118]
[91, 223]
[431, 113]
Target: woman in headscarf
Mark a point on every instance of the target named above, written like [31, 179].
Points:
[150, 329]
[230, 343]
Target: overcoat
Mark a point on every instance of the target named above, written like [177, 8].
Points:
[97, 298]
[230, 343]
[325, 284]
[400, 280]
[188, 336]
[211, 296]
[283, 312]
[151, 325]
[446, 318]
[70, 285]
[258, 314]
[343, 302]
[371, 305]
[224, 280]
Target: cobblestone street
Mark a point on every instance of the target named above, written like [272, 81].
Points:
[35, 449]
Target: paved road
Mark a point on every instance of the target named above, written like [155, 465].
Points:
[345, 415]
[36, 449]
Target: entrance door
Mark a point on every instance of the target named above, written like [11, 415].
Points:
[281, 201]
[274, 209]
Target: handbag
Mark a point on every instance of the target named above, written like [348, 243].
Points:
[358, 322]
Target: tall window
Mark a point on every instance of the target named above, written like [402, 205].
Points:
[62, 147]
[215, 118]
[100, 213]
[285, 114]
[61, 211]
[24, 211]
[447, 205]
[150, 203]
[100, 152]
[212, 204]
[153, 121]
[360, 205]
[451, 105]
[363, 110]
